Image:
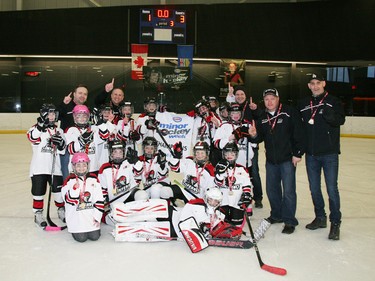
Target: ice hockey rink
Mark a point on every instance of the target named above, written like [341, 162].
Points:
[29, 253]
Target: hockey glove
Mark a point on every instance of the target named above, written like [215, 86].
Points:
[177, 150]
[134, 136]
[237, 134]
[226, 231]
[42, 124]
[132, 156]
[58, 141]
[221, 166]
[245, 199]
[86, 138]
[151, 124]
[161, 159]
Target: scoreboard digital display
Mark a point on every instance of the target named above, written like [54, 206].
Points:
[162, 26]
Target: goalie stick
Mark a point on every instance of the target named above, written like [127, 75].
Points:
[213, 242]
[269, 268]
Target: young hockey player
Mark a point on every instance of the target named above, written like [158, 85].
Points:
[117, 179]
[197, 170]
[234, 181]
[84, 200]
[48, 143]
[126, 127]
[235, 130]
[82, 137]
[147, 121]
[152, 168]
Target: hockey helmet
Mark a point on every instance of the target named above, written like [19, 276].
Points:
[116, 151]
[150, 105]
[202, 107]
[52, 113]
[201, 146]
[81, 115]
[126, 109]
[149, 141]
[230, 147]
[235, 112]
[213, 198]
[80, 157]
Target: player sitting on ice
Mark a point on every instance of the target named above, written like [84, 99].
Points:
[117, 179]
[82, 137]
[152, 168]
[126, 127]
[153, 220]
[48, 142]
[234, 181]
[84, 201]
[197, 170]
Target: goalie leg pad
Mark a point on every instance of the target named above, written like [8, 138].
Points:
[153, 231]
[140, 210]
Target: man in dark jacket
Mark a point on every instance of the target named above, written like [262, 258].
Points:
[322, 116]
[280, 127]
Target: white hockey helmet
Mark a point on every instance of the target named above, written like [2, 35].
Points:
[213, 198]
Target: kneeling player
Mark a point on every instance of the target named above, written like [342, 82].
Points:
[84, 202]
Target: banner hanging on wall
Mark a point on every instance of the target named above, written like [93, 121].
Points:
[233, 73]
[185, 57]
[139, 60]
[166, 77]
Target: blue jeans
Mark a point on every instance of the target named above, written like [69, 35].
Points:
[330, 166]
[254, 171]
[281, 191]
[64, 161]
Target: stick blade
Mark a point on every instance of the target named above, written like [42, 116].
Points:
[274, 270]
[54, 228]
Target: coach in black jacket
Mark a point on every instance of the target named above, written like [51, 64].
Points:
[322, 116]
[280, 127]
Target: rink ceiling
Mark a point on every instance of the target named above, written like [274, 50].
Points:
[28, 253]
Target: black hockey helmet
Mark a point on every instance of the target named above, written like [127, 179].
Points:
[231, 147]
[201, 145]
[235, 107]
[49, 108]
[149, 141]
[114, 145]
[126, 104]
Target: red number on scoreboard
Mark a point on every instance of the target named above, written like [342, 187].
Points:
[163, 13]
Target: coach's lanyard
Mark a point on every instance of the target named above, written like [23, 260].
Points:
[273, 123]
[313, 111]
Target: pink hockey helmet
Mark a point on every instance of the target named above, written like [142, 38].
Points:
[80, 108]
[80, 157]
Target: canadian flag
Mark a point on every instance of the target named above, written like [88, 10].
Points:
[139, 59]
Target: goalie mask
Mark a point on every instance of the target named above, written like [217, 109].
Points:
[81, 115]
[213, 198]
[116, 151]
[81, 164]
[49, 111]
[201, 152]
[230, 153]
[150, 147]
[235, 113]
[126, 109]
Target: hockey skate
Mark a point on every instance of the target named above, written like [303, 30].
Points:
[39, 219]
[61, 214]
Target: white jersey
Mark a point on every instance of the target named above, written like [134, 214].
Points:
[245, 147]
[196, 179]
[149, 172]
[107, 132]
[202, 131]
[84, 203]
[42, 158]
[233, 182]
[116, 180]
[90, 149]
[123, 131]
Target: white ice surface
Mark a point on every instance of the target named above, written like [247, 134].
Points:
[29, 253]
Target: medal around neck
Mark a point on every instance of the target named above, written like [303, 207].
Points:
[311, 121]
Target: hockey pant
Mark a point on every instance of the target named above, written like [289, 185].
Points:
[39, 188]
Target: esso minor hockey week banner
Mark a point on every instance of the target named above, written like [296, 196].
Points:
[174, 127]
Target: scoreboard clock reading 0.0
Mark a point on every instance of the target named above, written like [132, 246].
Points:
[162, 26]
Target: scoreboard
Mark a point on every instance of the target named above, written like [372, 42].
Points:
[162, 26]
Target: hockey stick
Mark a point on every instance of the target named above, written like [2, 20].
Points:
[164, 141]
[183, 187]
[269, 268]
[50, 222]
